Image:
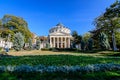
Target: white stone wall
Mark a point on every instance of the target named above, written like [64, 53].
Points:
[3, 43]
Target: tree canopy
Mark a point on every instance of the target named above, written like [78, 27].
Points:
[12, 24]
[109, 22]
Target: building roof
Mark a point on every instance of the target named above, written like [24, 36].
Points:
[59, 28]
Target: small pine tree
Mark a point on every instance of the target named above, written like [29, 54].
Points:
[30, 43]
[38, 44]
[18, 41]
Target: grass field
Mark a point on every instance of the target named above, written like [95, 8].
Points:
[57, 58]
[48, 58]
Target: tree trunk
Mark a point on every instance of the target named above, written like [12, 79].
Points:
[114, 41]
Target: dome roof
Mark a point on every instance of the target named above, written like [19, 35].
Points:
[60, 28]
[60, 24]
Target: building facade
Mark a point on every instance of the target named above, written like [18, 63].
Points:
[59, 36]
[44, 41]
[4, 43]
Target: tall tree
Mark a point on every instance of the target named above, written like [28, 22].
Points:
[109, 21]
[86, 36]
[15, 24]
[30, 43]
[18, 41]
[38, 42]
[103, 41]
[76, 38]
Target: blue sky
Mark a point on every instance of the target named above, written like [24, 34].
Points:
[42, 15]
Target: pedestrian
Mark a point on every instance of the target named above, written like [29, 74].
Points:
[6, 47]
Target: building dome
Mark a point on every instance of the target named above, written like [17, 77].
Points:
[60, 28]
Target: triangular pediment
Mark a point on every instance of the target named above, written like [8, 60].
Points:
[58, 34]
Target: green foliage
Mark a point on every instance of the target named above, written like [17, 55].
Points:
[103, 41]
[109, 21]
[38, 42]
[118, 39]
[45, 49]
[86, 37]
[47, 45]
[30, 43]
[83, 45]
[15, 24]
[18, 41]
[90, 44]
[76, 38]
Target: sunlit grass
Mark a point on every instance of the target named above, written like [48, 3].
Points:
[57, 60]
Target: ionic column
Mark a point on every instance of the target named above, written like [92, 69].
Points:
[57, 42]
[65, 42]
[50, 41]
[61, 42]
[54, 42]
[68, 42]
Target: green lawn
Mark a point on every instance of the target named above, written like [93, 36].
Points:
[58, 60]
[81, 59]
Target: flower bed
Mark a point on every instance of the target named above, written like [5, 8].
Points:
[61, 69]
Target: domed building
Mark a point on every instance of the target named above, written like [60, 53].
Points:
[60, 36]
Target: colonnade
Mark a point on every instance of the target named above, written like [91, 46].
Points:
[60, 41]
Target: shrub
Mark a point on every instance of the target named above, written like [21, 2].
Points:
[61, 69]
[45, 49]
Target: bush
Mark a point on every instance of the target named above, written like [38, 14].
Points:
[45, 49]
[62, 49]
[1, 48]
[61, 69]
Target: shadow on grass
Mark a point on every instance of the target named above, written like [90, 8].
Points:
[74, 50]
[108, 75]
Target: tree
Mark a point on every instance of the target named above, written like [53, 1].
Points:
[30, 43]
[117, 36]
[103, 41]
[86, 37]
[90, 44]
[109, 21]
[82, 45]
[15, 24]
[76, 38]
[18, 41]
[38, 44]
